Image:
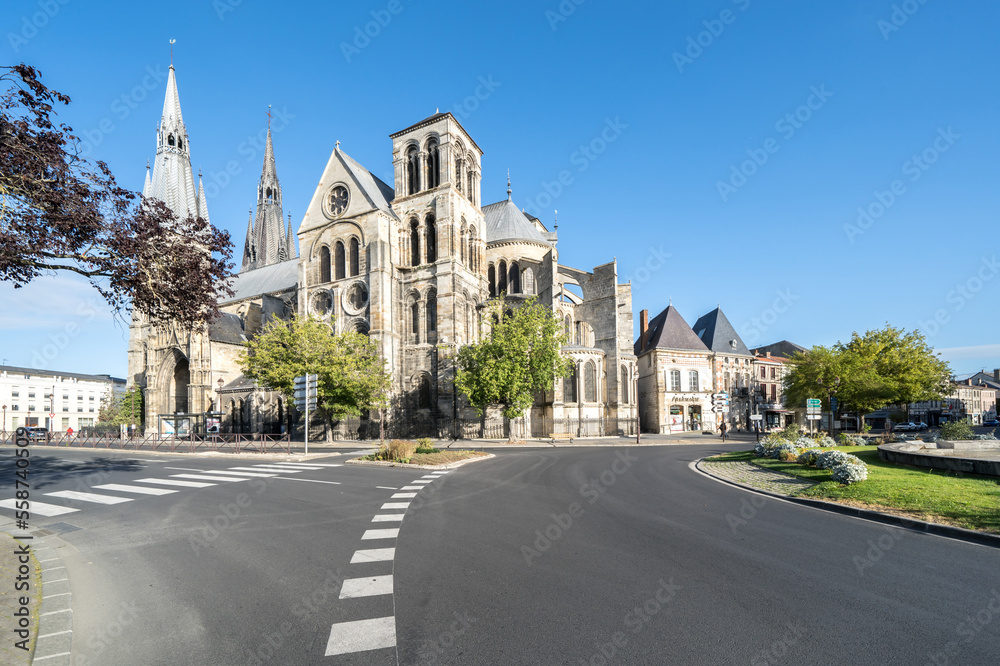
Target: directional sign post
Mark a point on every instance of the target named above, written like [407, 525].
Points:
[305, 398]
[813, 407]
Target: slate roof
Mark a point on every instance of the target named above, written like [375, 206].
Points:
[506, 222]
[36, 372]
[378, 193]
[718, 334]
[241, 383]
[783, 348]
[668, 330]
[269, 279]
[227, 328]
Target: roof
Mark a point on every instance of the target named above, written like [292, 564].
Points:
[227, 328]
[505, 222]
[36, 372]
[378, 193]
[718, 334]
[434, 118]
[269, 279]
[783, 348]
[668, 330]
[241, 383]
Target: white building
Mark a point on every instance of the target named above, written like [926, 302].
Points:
[52, 399]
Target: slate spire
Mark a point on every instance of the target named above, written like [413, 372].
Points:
[269, 228]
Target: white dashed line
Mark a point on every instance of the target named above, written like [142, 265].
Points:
[380, 534]
[403, 496]
[224, 472]
[41, 508]
[175, 482]
[385, 488]
[285, 478]
[395, 505]
[206, 476]
[373, 555]
[388, 518]
[361, 636]
[89, 497]
[122, 488]
[366, 587]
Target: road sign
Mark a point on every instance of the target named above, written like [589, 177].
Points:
[813, 417]
[721, 409]
[813, 403]
[833, 403]
[720, 396]
[306, 388]
[756, 417]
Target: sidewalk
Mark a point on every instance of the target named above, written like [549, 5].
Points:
[758, 478]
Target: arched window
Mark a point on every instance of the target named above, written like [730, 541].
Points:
[433, 164]
[324, 264]
[492, 276]
[502, 278]
[569, 330]
[459, 173]
[170, 139]
[675, 381]
[529, 281]
[431, 239]
[514, 278]
[415, 323]
[625, 385]
[424, 393]
[468, 320]
[180, 143]
[412, 170]
[569, 386]
[473, 247]
[431, 318]
[355, 258]
[693, 381]
[463, 238]
[589, 382]
[414, 243]
[338, 260]
[472, 187]
[725, 381]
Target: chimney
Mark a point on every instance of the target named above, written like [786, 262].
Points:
[644, 324]
[996, 374]
[768, 354]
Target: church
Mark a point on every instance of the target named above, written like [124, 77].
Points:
[411, 265]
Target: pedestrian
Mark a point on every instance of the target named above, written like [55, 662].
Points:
[69, 432]
[724, 428]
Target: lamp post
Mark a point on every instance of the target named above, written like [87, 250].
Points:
[830, 392]
[5, 418]
[220, 383]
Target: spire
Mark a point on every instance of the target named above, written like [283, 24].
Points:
[248, 249]
[202, 203]
[270, 242]
[146, 186]
[290, 253]
[508, 185]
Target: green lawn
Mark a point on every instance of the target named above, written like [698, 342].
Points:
[953, 498]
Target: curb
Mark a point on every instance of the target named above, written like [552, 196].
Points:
[55, 612]
[387, 463]
[935, 529]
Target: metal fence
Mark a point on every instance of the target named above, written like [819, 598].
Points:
[607, 426]
[225, 443]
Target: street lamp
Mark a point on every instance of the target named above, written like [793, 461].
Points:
[830, 392]
[220, 382]
[5, 418]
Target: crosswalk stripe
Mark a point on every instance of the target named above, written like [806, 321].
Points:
[373, 555]
[89, 497]
[41, 508]
[246, 474]
[366, 587]
[175, 482]
[396, 505]
[361, 636]
[260, 471]
[403, 496]
[380, 534]
[281, 466]
[412, 488]
[388, 518]
[428, 476]
[121, 487]
[420, 482]
[305, 466]
[442, 472]
[207, 476]
[317, 464]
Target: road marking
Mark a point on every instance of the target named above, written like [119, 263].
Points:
[380, 534]
[412, 488]
[58, 633]
[420, 482]
[285, 478]
[184, 469]
[206, 476]
[388, 518]
[41, 508]
[49, 656]
[396, 505]
[61, 594]
[120, 487]
[361, 635]
[175, 482]
[317, 464]
[64, 610]
[366, 587]
[89, 497]
[428, 476]
[403, 496]
[246, 474]
[288, 466]
[302, 466]
[385, 487]
[442, 472]
[298, 469]
[260, 471]
[373, 555]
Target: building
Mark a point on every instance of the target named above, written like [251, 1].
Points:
[768, 377]
[675, 375]
[29, 397]
[411, 265]
[731, 366]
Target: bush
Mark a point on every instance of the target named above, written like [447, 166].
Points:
[804, 442]
[809, 456]
[791, 432]
[825, 441]
[956, 430]
[425, 443]
[764, 447]
[398, 450]
[987, 437]
[848, 439]
[830, 459]
[850, 472]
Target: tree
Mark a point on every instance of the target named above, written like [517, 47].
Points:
[59, 212]
[352, 376]
[518, 358]
[125, 409]
[888, 366]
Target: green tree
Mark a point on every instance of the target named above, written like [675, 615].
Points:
[352, 375]
[124, 409]
[518, 358]
[887, 366]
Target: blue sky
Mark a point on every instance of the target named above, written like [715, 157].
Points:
[815, 168]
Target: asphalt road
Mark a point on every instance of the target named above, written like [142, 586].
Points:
[538, 556]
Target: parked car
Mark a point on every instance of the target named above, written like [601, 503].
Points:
[992, 423]
[37, 434]
[909, 427]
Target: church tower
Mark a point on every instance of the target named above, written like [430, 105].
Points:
[269, 243]
[172, 180]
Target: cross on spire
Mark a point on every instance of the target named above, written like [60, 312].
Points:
[269, 116]
[172, 42]
[508, 185]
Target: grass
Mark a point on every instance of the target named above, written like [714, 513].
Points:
[444, 457]
[735, 456]
[951, 498]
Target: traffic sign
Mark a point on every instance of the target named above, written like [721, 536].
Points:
[306, 388]
[756, 417]
[813, 417]
[720, 409]
[720, 396]
[814, 403]
[833, 403]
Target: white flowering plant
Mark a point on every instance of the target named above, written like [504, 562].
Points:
[850, 472]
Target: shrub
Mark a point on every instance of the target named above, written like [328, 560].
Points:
[804, 442]
[809, 456]
[848, 439]
[850, 472]
[764, 447]
[825, 441]
[830, 459]
[791, 432]
[788, 454]
[987, 437]
[425, 443]
[956, 430]
[427, 449]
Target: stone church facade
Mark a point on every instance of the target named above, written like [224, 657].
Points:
[410, 265]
